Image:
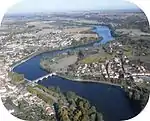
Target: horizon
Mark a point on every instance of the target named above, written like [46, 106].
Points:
[77, 11]
[45, 6]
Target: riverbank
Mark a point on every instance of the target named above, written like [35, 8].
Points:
[88, 81]
[60, 66]
[47, 51]
[25, 59]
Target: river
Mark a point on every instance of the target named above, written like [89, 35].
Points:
[110, 100]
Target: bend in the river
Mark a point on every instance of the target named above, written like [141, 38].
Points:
[109, 100]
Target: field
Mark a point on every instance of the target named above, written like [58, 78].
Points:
[96, 58]
[64, 62]
[76, 29]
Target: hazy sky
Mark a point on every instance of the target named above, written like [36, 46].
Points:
[68, 5]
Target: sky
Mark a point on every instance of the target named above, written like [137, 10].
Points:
[30, 6]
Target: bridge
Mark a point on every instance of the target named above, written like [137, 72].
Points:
[43, 77]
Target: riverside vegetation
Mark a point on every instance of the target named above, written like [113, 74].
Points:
[68, 106]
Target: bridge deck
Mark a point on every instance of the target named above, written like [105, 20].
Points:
[46, 76]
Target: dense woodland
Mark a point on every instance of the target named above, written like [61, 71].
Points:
[70, 106]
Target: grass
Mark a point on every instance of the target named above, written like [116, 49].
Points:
[128, 51]
[16, 78]
[97, 58]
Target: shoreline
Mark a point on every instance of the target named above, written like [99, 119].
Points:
[47, 51]
[88, 81]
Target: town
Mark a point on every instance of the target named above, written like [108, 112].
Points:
[22, 37]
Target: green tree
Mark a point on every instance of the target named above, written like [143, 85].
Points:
[71, 95]
[99, 117]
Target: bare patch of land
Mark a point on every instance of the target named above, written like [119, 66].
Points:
[82, 32]
[63, 63]
[77, 29]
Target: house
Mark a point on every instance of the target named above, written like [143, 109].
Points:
[50, 110]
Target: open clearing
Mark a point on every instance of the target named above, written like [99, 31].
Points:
[77, 29]
[64, 62]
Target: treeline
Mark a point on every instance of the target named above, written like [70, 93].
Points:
[16, 78]
[136, 22]
[78, 109]
[39, 94]
[69, 106]
[138, 96]
[140, 45]
[112, 30]
[45, 63]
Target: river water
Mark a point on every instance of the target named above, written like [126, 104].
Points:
[111, 101]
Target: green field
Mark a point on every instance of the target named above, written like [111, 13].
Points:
[96, 58]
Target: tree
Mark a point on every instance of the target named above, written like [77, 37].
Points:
[16, 78]
[81, 104]
[58, 90]
[93, 117]
[85, 118]
[99, 117]
[78, 113]
[80, 54]
[63, 114]
[92, 110]
[86, 105]
[71, 95]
